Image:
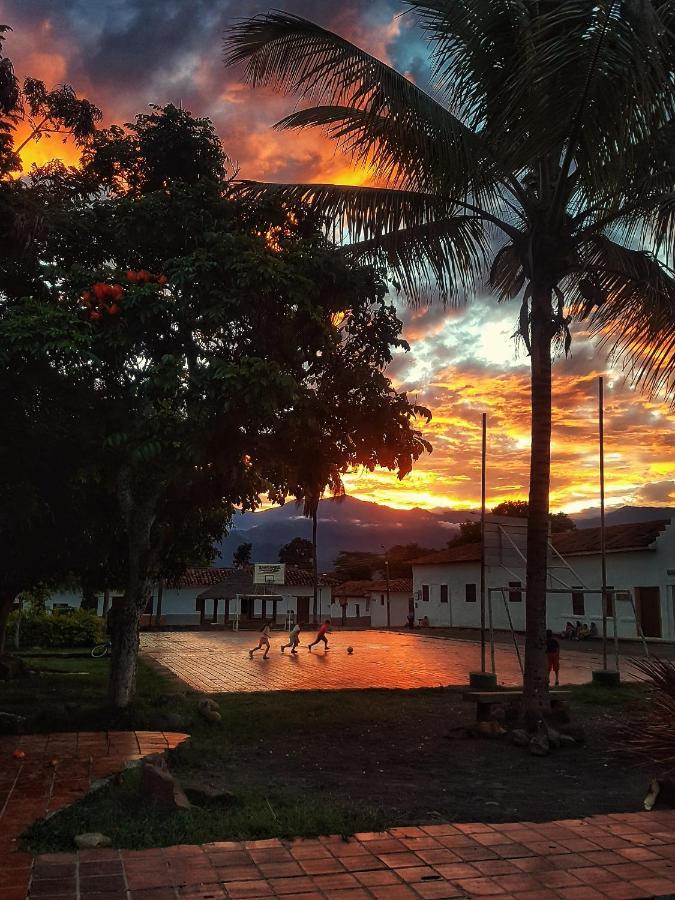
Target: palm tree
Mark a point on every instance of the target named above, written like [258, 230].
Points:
[543, 166]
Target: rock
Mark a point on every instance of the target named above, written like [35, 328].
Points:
[574, 731]
[553, 737]
[490, 729]
[539, 745]
[177, 722]
[209, 710]
[566, 740]
[91, 840]
[11, 723]
[12, 667]
[159, 785]
[201, 791]
[519, 738]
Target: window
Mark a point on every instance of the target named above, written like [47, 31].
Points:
[444, 593]
[358, 610]
[425, 593]
[578, 603]
[515, 596]
[470, 593]
[381, 599]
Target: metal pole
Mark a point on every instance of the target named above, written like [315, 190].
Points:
[386, 569]
[482, 545]
[492, 633]
[513, 633]
[603, 555]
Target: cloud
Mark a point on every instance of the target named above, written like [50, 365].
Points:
[656, 492]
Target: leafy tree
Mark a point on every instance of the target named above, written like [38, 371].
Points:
[298, 552]
[47, 112]
[195, 331]
[469, 533]
[520, 509]
[356, 565]
[242, 555]
[400, 558]
[544, 169]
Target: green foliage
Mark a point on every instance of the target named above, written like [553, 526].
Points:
[298, 552]
[79, 628]
[469, 533]
[242, 555]
[520, 508]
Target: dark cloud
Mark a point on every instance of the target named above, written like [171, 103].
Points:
[657, 492]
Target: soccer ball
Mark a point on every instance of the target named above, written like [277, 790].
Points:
[350, 650]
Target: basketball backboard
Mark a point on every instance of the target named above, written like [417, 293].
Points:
[506, 542]
[269, 573]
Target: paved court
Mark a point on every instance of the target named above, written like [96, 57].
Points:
[218, 661]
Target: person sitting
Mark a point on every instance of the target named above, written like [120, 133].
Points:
[411, 620]
[594, 630]
[584, 632]
[425, 622]
[568, 633]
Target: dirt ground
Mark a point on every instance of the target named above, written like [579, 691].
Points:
[398, 755]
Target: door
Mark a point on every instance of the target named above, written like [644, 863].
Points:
[302, 606]
[649, 610]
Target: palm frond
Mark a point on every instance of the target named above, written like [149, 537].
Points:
[313, 63]
[451, 253]
[630, 304]
[507, 275]
[429, 158]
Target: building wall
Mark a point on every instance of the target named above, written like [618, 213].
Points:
[72, 599]
[376, 607]
[626, 570]
[179, 605]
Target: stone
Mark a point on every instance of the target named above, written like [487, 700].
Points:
[91, 840]
[539, 745]
[574, 730]
[519, 737]
[553, 737]
[160, 786]
[200, 791]
[489, 729]
[10, 723]
[177, 722]
[566, 740]
[209, 710]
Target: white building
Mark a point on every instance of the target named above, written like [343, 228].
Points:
[640, 559]
[366, 601]
[207, 595]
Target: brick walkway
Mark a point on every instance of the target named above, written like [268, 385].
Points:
[218, 661]
[57, 770]
[619, 856]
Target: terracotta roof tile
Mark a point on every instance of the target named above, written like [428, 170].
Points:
[363, 588]
[201, 577]
[633, 536]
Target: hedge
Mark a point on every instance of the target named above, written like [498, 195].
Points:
[78, 628]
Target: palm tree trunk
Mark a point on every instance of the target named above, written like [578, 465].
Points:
[315, 569]
[536, 698]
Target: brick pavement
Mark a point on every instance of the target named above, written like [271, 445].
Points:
[218, 661]
[621, 856]
[56, 770]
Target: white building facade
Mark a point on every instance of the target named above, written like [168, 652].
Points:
[365, 602]
[640, 560]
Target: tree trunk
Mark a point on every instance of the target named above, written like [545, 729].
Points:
[315, 570]
[5, 609]
[535, 682]
[124, 657]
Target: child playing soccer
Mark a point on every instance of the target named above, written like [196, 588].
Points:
[263, 641]
[321, 636]
[293, 639]
[553, 656]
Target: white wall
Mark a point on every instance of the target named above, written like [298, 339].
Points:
[626, 570]
[398, 609]
[72, 598]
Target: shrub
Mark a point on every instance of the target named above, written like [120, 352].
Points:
[653, 737]
[78, 628]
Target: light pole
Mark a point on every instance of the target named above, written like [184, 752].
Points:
[386, 575]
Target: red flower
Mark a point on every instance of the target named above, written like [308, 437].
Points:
[94, 315]
[86, 297]
[100, 290]
[117, 291]
[162, 280]
[132, 276]
[113, 309]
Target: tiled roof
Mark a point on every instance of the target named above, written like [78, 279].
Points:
[239, 581]
[460, 553]
[633, 536]
[363, 588]
[201, 577]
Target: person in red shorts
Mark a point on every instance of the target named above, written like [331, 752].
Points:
[553, 656]
[321, 636]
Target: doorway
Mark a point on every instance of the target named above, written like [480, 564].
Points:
[302, 607]
[649, 610]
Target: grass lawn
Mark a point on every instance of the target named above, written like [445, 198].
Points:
[308, 763]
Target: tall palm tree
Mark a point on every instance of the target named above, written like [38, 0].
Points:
[542, 167]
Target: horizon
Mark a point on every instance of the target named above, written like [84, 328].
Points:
[462, 361]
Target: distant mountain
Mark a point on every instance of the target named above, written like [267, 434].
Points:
[624, 515]
[351, 524]
[344, 524]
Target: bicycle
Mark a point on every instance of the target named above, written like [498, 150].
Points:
[101, 650]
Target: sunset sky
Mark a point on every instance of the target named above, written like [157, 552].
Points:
[125, 54]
